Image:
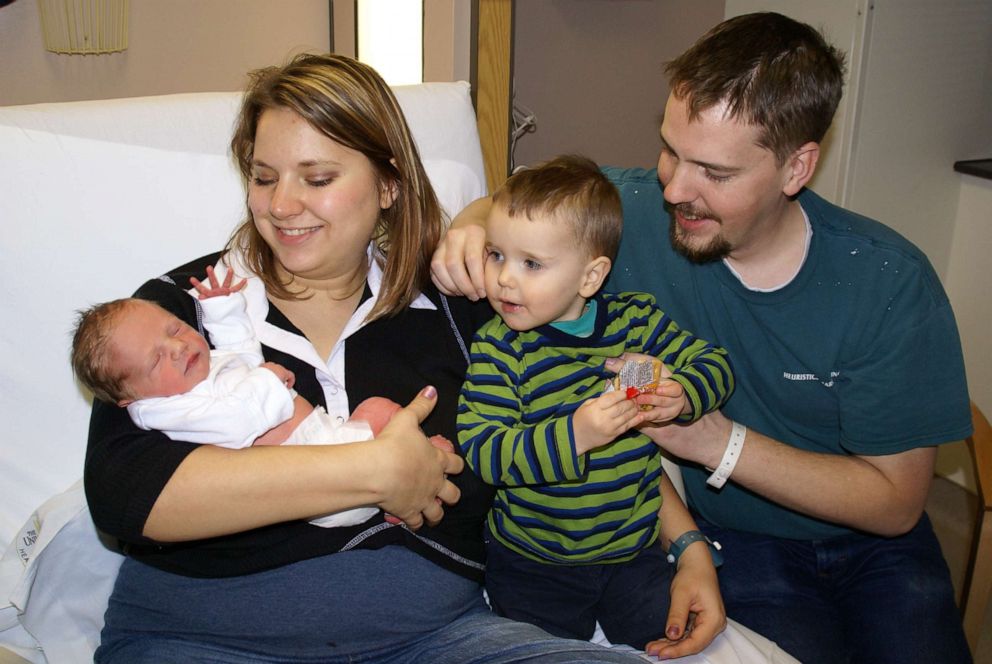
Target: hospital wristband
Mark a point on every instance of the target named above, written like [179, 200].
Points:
[730, 456]
[677, 546]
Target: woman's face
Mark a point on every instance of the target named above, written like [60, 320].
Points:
[314, 201]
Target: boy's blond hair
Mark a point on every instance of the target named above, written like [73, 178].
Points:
[569, 189]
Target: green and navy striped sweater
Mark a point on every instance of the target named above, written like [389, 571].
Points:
[515, 427]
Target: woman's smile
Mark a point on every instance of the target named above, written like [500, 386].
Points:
[314, 201]
[296, 232]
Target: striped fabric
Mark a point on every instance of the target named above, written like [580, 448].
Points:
[515, 428]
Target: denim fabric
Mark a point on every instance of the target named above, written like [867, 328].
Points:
[847, 600]
[386, 606]
[479, 637]
[629, 599]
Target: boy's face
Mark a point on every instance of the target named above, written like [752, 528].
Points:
[726, 192]
[535, 274]
[158, 354]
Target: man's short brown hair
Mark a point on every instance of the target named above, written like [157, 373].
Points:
[772, 72]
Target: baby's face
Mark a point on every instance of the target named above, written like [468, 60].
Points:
[159, 354]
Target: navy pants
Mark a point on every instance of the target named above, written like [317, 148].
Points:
[846, 600]
[629, 599]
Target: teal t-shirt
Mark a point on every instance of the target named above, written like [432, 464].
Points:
[858, 354]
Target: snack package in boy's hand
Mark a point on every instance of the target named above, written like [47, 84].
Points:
[637, 377]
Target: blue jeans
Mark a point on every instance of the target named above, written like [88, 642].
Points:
[850, 599]
[629, 599]
[478, 637]
[384, 606]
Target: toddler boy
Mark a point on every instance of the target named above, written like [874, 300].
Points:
[573, 532]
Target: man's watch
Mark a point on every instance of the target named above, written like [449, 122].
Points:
[676, 548]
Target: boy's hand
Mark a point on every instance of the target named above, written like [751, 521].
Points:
[287, 377]
[599, 421]
[666, 402]
[668, 399]
[216, 289]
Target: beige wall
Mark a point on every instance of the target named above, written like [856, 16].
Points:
[174, 46]
[967, 284]
[591, 71]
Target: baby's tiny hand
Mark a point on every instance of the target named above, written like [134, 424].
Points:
[216, 289]
[287, 377]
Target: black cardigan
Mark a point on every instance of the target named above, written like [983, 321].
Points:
[126, 468]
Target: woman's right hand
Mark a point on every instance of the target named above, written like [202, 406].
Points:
[413, 481]
[216, 491]
[458, 264]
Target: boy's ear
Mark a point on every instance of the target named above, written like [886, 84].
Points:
[800, 168]
[595, 274]
[124, 403]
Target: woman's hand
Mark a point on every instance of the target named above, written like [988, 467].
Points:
[218, 491]
[413, 480]
[441, 443]
[695, 592]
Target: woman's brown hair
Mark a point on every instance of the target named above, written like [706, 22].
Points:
[348, 102]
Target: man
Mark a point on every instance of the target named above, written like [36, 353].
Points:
[847, 354]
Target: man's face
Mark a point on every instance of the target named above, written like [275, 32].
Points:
[726, 193]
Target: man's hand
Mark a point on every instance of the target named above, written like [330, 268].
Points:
[216, 289]
[702, 442]
[458, 265]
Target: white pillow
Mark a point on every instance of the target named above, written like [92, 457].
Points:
[58, 576]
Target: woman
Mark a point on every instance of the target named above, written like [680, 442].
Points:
[222, 565]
